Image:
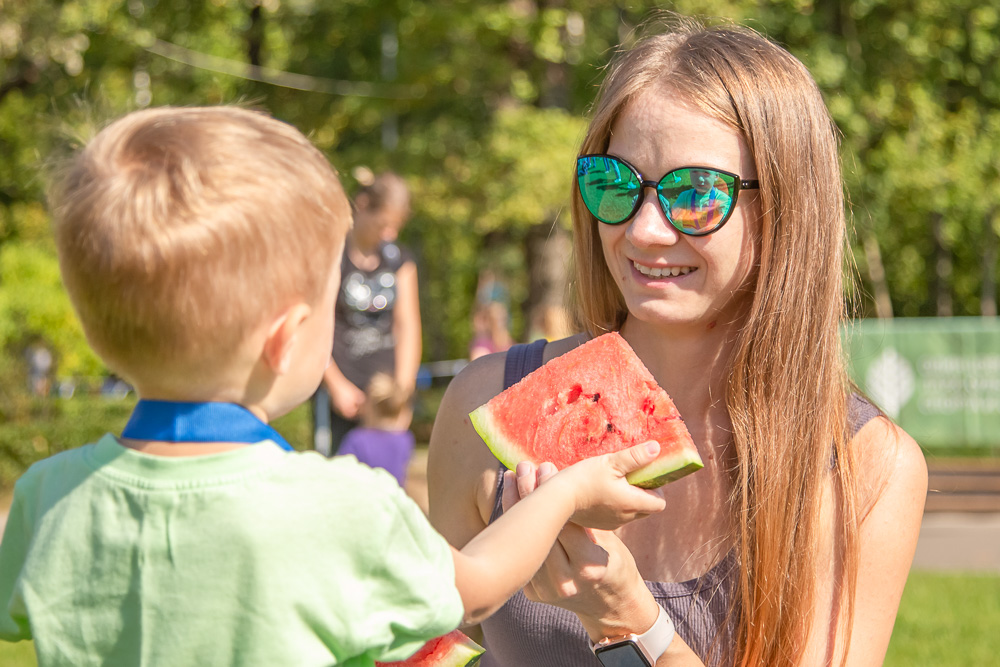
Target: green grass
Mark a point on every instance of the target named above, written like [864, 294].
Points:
[21, 654]
[945, 620]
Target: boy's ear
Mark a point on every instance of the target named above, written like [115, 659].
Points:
[281, 337]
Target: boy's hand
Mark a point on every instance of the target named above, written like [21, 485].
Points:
[604, 498]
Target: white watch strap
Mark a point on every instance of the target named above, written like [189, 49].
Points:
[653, 642]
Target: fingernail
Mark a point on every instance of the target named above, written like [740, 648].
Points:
[653, 447]
[522, 469]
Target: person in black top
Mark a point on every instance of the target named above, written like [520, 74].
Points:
[377, 314]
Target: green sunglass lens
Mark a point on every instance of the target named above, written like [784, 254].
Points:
[696, 200]
[608, 187]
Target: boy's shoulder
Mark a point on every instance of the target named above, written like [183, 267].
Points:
[263, 469]
[346, 471]
[75, 461]
[51, 479]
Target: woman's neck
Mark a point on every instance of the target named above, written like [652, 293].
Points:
[690, 363]
[363, 256]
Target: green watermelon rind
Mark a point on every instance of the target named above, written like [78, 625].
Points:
[685, 462]
[654, 475]
[466, 653]
[506, 452]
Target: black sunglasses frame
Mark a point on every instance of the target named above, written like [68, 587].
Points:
[738, 184]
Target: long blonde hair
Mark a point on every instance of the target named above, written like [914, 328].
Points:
[788, 388]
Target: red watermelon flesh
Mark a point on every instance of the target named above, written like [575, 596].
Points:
[454, 649]
[595, 399]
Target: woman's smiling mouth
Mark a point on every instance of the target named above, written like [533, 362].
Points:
[665, 272]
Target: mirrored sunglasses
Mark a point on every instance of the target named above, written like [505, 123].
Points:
[696, 200]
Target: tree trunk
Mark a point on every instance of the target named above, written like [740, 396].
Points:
[255, 36]
[942, 267]
[549, 248]
[389, 51]
[988, 295]
[876, 272]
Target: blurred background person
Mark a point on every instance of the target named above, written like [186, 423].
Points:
[378, 312]
[490, 330]
[383, 440]
[551, 322]
[40, 364]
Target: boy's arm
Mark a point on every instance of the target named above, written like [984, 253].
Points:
[502, 558]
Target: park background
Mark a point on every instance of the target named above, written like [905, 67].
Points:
[481, 106]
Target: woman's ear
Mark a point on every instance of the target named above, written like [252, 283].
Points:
[282, 336]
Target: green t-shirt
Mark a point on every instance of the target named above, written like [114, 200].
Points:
[249, 557]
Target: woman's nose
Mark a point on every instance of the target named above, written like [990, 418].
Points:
[649, 226]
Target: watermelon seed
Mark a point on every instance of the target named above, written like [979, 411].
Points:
[596, 398]
[611, 427]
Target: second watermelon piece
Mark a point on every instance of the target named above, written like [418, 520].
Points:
[454, 649]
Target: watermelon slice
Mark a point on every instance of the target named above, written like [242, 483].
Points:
[452, 650]
[595, 399]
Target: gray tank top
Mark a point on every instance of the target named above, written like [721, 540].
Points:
[532, 634]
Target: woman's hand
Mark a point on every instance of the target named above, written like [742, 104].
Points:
[347, 399]
[588, 572]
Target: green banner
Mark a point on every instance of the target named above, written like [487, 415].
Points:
[938, 378]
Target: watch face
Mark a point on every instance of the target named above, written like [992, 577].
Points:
[625, 654]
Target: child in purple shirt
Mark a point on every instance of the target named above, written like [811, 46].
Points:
[383, 440]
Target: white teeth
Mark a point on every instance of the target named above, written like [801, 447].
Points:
[672, 271]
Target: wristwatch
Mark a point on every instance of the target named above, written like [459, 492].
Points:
[636, 650]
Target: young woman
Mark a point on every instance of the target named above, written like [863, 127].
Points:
[793, 544]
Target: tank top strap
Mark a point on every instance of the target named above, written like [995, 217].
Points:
[860, 411]
[521, 360]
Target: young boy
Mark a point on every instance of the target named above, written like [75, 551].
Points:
[200, 247]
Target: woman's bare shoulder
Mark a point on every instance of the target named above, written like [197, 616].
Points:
[889, 463]
[461, 470]
[479, 381]
[892, 486]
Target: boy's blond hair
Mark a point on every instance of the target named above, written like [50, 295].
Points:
[386, 402]
[181, 230]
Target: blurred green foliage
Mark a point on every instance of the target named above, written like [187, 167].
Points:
[481, 106]
[34, 428]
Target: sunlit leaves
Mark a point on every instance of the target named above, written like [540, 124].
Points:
[913, 86]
